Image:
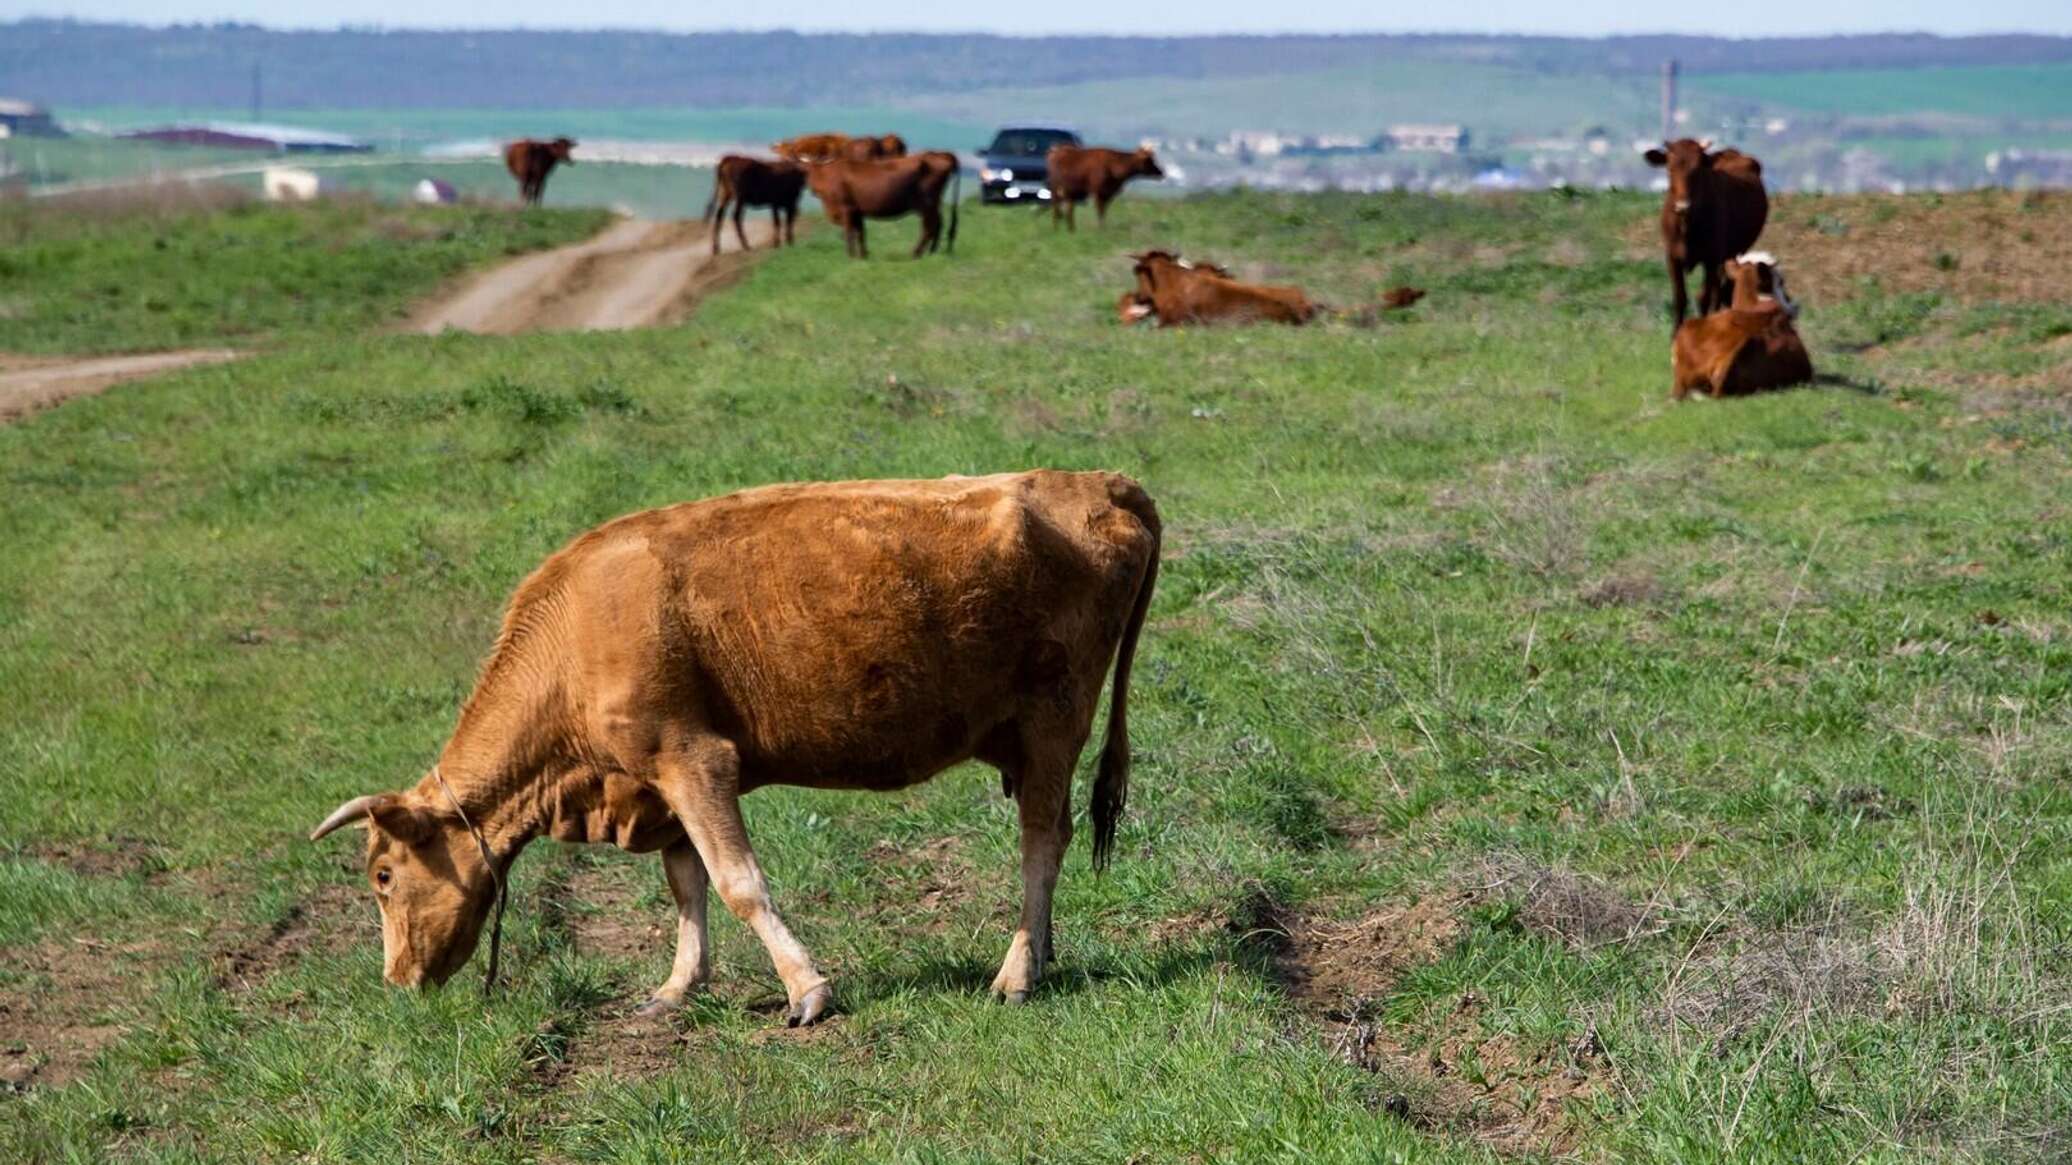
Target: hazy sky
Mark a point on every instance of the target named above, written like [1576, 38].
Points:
[1170, 17]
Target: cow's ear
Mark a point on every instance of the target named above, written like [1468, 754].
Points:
[407, 823]
[1657, 157]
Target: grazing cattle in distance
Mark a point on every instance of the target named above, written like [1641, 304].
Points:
[812, 148]
[848, 635]
[1399, 298]
[1714, 209]
[744, 182]
[1750, 346]
[1078, 173]
[1176, 291]
[889, 145]
[853, 191]
[530, 162]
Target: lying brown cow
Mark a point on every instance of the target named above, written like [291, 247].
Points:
[530, 162]
[890, 188]
[1078, 173]
[889, 145]
[853, 635]
[744, 182]
[1747, 347]
[1714, 210]
[1175, 291]
[812, 148]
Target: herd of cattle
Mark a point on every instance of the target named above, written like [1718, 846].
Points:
[869, 635]
[1744, 339]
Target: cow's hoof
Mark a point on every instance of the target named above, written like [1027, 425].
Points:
[656, 1007]
[1012, 998]
[811, 1008]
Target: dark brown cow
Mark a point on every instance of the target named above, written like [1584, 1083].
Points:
[1747, 347]
[1176, 291]
[1714, 210]
[890, 188]
[744, 182]
[530, 162]
[845, 635]
[811, 148]
[889, 145]
[1078, 173]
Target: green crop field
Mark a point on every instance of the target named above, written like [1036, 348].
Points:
[1998, 92]
[1525, 765]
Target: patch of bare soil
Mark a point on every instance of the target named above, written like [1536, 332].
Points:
[115, 857]
[635, 274]
[333, 920]
[1561, 904]
[58, 1004]
[1976, 247]
[1453, 1074]
[29, 383]
[612, 920]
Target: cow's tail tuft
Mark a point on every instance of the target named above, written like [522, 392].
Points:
[1112, 779]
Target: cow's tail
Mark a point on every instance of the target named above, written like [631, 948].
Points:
[956, 196]
[713, 201]
[1112, 780]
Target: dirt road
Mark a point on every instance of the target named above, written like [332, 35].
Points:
[636, 274]
[28, 383]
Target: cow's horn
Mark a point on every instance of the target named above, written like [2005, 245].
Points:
[346, 814]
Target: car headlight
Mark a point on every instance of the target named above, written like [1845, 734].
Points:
[1007, 175]
[985, 175]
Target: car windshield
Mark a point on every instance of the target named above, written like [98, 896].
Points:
[1029, 141]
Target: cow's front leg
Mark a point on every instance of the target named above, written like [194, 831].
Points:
[702, 787]
[685, 871]
[1046, 816]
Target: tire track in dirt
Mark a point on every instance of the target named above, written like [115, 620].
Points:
[636, 274]
[28, 383]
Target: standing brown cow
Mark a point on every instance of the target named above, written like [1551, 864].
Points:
[889, 145]
[530, 162]
[845, 635]
[890, 188]
[746, 182]
[1714, 210]
[1078, 173]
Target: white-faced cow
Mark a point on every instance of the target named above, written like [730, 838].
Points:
[853, 635]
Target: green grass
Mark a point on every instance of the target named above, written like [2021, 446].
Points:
[648, 191]
[50, 161]
[1998, 92]
[1784, 679]
[113, 280]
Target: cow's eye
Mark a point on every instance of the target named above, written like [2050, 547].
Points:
[382, 878]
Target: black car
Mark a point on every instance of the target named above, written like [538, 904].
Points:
[1012, 170]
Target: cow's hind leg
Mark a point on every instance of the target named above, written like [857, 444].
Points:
[685, 871]
[1044, 790]
[931, 231]
[719, 217]
[702, 786]
[741, 208]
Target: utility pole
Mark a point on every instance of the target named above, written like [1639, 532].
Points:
[1669, 99]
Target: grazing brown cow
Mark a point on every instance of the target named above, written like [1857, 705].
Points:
[1176, 291]
[1714, 210]
[1400, 298]
[812, 148]
[889, 145]
[848, 635]
[530, 162]
[746, 182]
[1078, 173]
[1747, 347]
[890, 188]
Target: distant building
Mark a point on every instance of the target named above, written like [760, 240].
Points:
[290, 184]
[23, 119]
[273, 139]
[1429, 139]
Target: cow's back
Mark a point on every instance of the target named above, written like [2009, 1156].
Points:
[859, 632]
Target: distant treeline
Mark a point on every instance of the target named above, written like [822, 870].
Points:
[62, 62]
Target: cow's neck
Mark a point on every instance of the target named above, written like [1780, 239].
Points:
[513, 747]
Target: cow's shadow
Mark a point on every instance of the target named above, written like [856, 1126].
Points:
[1072, 973]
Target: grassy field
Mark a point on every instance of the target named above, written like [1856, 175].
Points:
[2001, 92]
[1525, 765]
[50, 161]
[183, 266]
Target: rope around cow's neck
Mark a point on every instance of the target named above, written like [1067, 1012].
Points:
[496, 931]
